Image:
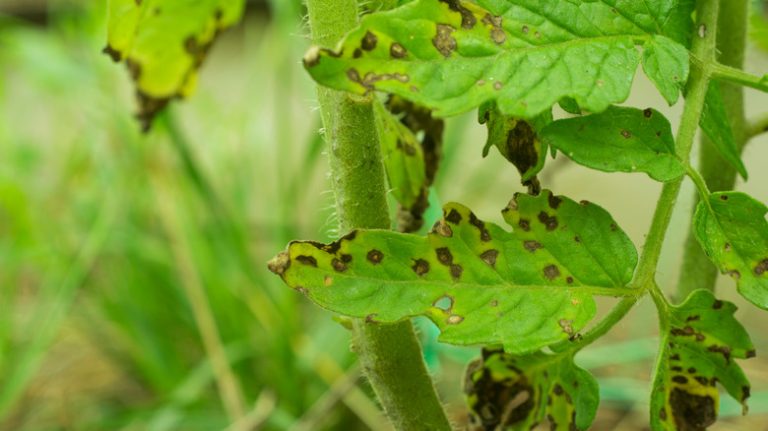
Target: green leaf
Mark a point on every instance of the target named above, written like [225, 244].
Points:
[452, 56]
[619, 140]
[479, 283]
[714, 122]
[163, 43]
[665, 62]
[732, 229]
[700, 341]
[403, 158]
[520, 392]
[569, 105]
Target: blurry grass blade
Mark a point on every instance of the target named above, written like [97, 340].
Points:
[29, 357]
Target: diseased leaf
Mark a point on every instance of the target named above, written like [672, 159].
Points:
[479, 283]
[732, 229]
[403, 158]
[518, 141]
[699, 346]
[619, 140]
[164, 42]
[714, 122]
[526, 55]
[666, 64]
[519, 392]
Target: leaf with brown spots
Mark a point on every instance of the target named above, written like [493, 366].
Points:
[732, 229]
[163, 43]
[525, 55]
[512, 288]
[520, 392]
[700, 340]
[619, 140]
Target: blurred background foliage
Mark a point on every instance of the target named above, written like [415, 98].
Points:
[134, 293]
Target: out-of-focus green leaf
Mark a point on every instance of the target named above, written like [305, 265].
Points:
[758, 23]
[714, 122]
[403, 157]
[732, 229]
[702, 339]
[479, 283]
[666, 64]
[452, 56]
[520, 392]
[164, 42]
[619, 139]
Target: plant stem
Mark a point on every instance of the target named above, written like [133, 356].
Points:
[703, 48]
[697, 271]
[757, 127]
[390, 355]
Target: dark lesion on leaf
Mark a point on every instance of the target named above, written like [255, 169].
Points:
[280, 263]
[420, 267]
[485, 236]
[444, 41]
[490, 256]
[375, 256]
[762, 267]
[532, 245]
[468, 19]
[338, 265]
[441, 228]
[444, 256]
[524, 224]
[114, 54]
[690, 411]
[456, 271]
[453, 216]
[551, 272]
[497, 32]
[397, 50]
[307, 260]
[550, 222]
[368, 42]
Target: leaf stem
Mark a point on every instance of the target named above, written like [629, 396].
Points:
[733, 74]
[697, 271]
[699, 182]
[757, 127]
[389, 355]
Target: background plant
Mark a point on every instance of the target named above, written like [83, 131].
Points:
[228, 133]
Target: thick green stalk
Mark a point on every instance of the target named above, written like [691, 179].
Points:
[697, 270]
[390, 355]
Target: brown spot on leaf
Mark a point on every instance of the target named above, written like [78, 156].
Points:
[346, 258]
[371, 318]
[327, 280]
[454, 319]
[569, 280]
[693, 318]
[724, 197]
[558, 390]
[691, 370]
[453, 216]
[647, 113]
[368, 42]
[680, 379]
[444, 255]
[280, 263]
[420, 267]
[375, 256]
[468, 19]
[489, 257]
[692, 412]
[456, 271]
[551, 272]
[554, 201]
[663, 414]
[567, 326]
[338, 265]
[524, 225]
[674, 357]
[626, 134]
[750, 354]
[724, 350]
[112, 53]
[357, 53]
[444, 41]
[703, 381]
[494, 303]
[549, 221]
[307, 260]
[677, 369]
[441, 228]
[577, 238]
[531, 245]
[497, 32]
[761, 267]
[718, 304]
[485, 236]
[397, 51]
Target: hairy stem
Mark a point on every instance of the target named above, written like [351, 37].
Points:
[390, 355]
[697, 270]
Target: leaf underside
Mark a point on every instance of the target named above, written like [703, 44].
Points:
[520, 392]
[164, 42]
[715, 124]
[699, 348]
[732, 229]
[619, 140]
[452, 56]
[477, 282]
